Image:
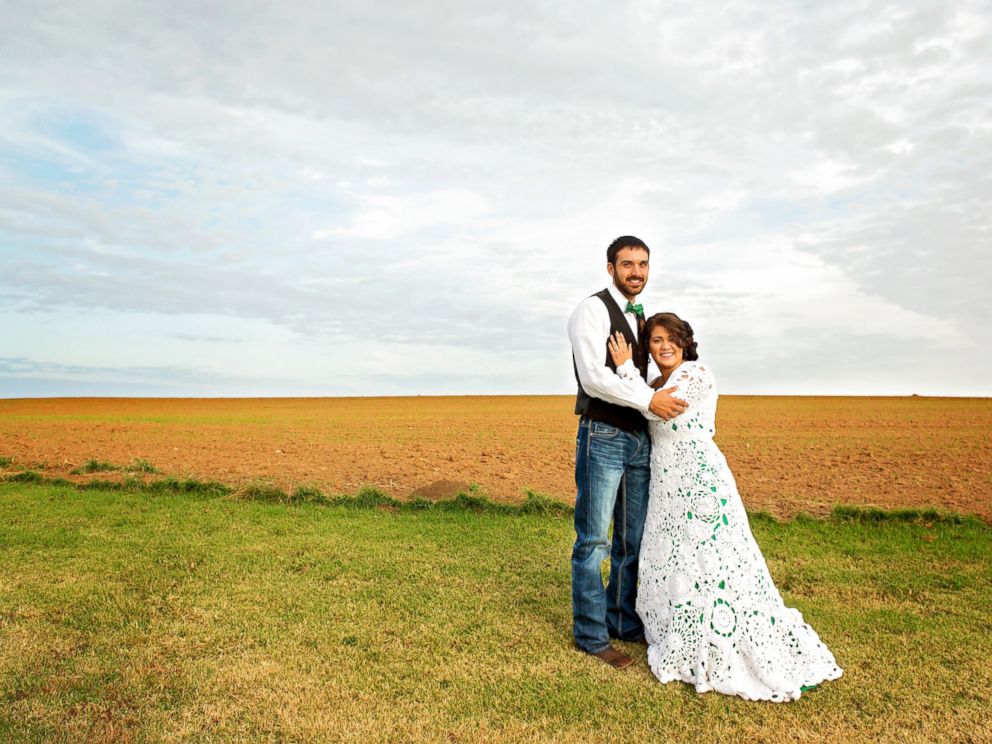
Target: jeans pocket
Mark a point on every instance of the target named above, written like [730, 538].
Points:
[600, 430]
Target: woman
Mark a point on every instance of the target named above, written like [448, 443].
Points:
[712, 616]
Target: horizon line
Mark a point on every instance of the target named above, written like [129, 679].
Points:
[474, 395]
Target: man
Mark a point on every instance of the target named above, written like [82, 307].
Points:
[612, 456]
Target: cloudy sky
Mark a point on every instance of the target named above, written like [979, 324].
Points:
[361, 198]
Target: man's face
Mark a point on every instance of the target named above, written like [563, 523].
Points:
[630, 273]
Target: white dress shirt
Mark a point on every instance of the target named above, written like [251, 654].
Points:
[588, 329]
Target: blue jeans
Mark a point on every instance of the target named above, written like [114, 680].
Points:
[612, 471]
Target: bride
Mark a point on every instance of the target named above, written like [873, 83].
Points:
[712, 616]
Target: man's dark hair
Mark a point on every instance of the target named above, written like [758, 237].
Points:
[624, 241]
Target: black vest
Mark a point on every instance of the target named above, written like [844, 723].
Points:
[622, 417]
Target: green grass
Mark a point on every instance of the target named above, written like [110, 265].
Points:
[261, 490]
[185, 611]
[140, 465]
[5, 462]
[94, 466]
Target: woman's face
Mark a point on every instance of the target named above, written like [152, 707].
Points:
[666, 353]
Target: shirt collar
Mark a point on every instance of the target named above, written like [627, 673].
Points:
[618, 296]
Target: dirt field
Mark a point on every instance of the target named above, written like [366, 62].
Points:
[788, 454]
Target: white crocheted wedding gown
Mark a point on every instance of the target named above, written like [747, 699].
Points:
[712, 616]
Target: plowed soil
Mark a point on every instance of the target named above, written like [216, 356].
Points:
[789, 454]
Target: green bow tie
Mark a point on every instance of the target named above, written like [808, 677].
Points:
[637, 310]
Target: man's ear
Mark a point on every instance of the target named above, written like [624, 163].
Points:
[610, 268]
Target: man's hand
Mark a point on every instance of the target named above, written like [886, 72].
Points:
[665, 406]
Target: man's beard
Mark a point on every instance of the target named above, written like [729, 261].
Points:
[626, 290]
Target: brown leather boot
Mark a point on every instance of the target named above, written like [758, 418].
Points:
[616, 659]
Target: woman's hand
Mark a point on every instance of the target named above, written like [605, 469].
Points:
[619, 349]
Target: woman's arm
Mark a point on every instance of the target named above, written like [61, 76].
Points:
[694, 382]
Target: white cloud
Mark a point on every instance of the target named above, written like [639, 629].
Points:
[803, 173]
[390, 217]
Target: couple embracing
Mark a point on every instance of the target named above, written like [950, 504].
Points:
[686, 576]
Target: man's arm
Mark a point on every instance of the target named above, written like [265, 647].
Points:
[588, 329]
[663, 405]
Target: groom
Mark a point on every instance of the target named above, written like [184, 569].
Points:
[612, 456]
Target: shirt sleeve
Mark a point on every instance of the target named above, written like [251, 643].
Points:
[588, 330]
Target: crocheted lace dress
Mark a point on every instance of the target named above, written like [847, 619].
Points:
[712, 616]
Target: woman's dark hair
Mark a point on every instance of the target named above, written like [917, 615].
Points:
[678, 330]
[624, 241]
